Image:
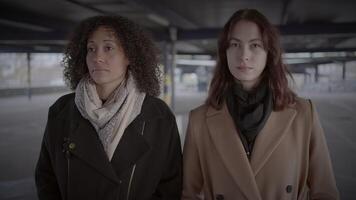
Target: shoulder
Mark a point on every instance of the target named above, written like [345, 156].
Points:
[198, 115]
[305, 108]
[60, 117]
[60, 104]
[153, 107]
[303, 104]
[199, 112]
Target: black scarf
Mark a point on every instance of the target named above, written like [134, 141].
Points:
[250, 111]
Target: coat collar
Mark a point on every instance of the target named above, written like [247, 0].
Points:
[270, 137]
[228, 144]
[89, 149]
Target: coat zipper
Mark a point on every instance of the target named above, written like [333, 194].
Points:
[133, 168]
[66, 151]
[131, 177]
[68, 164]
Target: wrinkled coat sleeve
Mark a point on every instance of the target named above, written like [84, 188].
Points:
[321, 178]
[170, 185]
[46, 181]
[192, 174]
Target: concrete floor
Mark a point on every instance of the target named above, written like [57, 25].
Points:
[22, 123]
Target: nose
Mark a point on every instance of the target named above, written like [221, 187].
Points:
[98, 56]
[245, 54]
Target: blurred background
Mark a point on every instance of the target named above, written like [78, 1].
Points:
[318, 37]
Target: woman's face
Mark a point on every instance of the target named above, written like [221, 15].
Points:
[106, 60]
[246, 54]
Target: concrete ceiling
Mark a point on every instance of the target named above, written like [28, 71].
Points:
[306, 26]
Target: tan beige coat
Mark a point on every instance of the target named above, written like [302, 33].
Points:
[290, 159]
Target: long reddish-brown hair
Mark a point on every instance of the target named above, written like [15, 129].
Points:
[274, 74]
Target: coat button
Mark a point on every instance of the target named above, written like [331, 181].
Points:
[220, 197]
[289, 188]
[71, 146]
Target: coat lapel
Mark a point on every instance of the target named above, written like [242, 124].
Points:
[228, 144]
[89, 149]
[270, 137]
[131, 147]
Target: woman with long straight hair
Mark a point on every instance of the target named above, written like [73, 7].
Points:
[254, 138]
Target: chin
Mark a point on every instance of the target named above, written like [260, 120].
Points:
[99, 81]
[246, 78]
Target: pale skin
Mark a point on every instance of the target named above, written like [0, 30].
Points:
[246, 54]
[106, 61]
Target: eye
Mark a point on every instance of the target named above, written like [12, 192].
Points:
[256, 45]
[108, 48]
[90, 49]
[234, 44]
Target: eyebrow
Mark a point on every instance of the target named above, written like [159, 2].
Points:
[106, 40]
[252, 40]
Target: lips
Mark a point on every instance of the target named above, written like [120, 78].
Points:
[99, 69]
[244, 68]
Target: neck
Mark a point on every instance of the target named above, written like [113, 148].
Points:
[249, 85]
[105, 90]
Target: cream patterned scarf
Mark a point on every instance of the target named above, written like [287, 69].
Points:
[110, 119]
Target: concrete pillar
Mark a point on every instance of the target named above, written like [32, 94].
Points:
[29, 92]
[316, 75]
[167, 83]
[173, 38]
[343, 70]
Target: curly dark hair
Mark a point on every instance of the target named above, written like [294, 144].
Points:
[137, 45]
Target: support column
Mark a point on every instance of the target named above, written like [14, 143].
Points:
[166, 74]
[343, 70]
[29, 91]
[173, 37]
[316, 75]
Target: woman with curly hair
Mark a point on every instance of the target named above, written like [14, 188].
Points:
[254, 138]
[112, 138]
